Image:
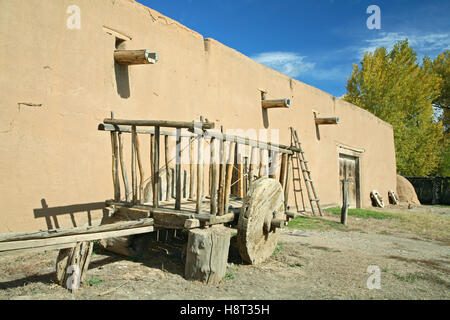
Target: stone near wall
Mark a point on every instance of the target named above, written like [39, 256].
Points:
[406, 192]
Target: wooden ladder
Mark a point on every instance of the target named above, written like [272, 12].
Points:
[299, 162]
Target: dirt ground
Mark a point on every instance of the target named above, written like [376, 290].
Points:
[321, 263]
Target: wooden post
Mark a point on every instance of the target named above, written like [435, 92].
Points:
[200, 168]
[213, 189]
[156, 169]
[141, 170]
[252, 165]
[123, 169]
[344, 202]
[166, 160]
[133, 165]
[178, 170]
[191, 169]
[283, 170]
[240, 171]
[152, 158]
[115, 163]
[261, 163]
[222, 167]
[72, 265]
[273, 164]
[207, 254]
[229, 175]
[286, 186]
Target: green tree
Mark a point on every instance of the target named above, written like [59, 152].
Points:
[394, 87]
[441, 67]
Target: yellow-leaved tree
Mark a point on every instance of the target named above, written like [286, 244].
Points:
[394, 87]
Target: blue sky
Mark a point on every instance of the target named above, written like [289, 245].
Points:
[314, 41]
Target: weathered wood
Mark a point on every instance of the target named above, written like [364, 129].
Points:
[283, 170]
[207, 254]
[278, 223]
[115, 165]
[330, 120]
[38, 249]
[72, 265]
[286, 186]
[161, 123]
[213, 187]
[127, 129]
[191, 223]
[178, 170]
[200, 169]
[246, 141]
[344, 209]
[278, 103]
[133, 165]
[262, 164]
[191, 169]
[123, 169]
[256, 236]
[156, 169]
[133, 57]
[166, 162]
[273, 164]
[141, 170]
[228, 176]
[8, 239]
[222, 166]
[252, 166]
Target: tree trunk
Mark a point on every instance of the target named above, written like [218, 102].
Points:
[207, 254]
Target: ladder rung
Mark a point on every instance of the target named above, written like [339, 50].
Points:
[296, 179]
[315, 199]
[310, 180]
[306, 170]
[298, 190]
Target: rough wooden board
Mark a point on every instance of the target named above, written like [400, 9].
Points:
[207, 254]
[16, 245]
[72, 265]
[256, 238]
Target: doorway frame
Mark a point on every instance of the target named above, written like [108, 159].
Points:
[357, 153]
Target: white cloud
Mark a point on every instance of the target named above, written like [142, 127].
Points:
[420, 43]
[288, 63]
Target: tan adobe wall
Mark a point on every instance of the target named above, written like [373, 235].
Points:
[54, 151]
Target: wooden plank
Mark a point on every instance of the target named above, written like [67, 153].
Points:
[39, 249]
[286, 187]
[160, 123]
[123, 169]
[178, 170]
[213, 192]
[156, 169]
[16, 245]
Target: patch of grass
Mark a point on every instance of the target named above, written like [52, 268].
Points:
[228, 276]
[311, 223]
[278, 249]
[364, 213]
[93, 281]
[409, 277]
[297, 264]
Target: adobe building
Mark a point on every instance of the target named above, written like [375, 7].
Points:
[59, 80]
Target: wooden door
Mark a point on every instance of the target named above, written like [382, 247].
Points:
[348, 170]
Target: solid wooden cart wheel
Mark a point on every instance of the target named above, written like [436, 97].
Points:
[376, 198]
[257, 235]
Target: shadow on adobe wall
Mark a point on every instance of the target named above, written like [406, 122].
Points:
[51, 213]
[122, 80]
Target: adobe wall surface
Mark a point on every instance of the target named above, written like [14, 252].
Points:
[51, 153]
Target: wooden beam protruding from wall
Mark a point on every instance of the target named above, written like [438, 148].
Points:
[279, 103]
[330, 120]
[132, 57]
